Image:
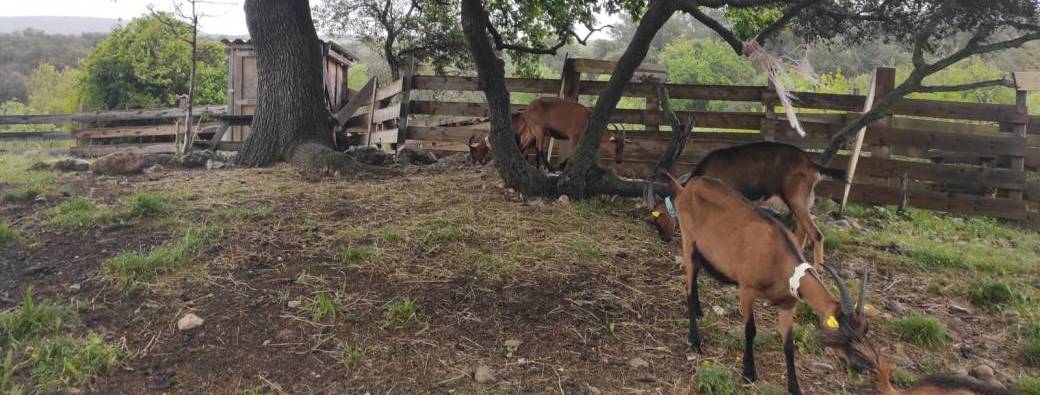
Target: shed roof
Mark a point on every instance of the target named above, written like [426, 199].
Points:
[332, 44]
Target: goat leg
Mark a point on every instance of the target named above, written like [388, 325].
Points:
[786, 325]
[695, 335]
[747, 300]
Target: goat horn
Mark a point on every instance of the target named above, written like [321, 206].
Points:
[843, 293]
[862, 294]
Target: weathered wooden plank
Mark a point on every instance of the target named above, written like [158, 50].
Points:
[681, 91]
[34, 136]
[954, 110]
[820, 101]
[384, 136]
[130, 131]
[597, 66]
[355, 102]
[389, 91]
[931, 200]
[386, 114]
[1033, 191]
[440, 133]
[106, 116]
[943, 126]
[432, 145]
[964, 176]
[924, 140]
[102, 150]
[526, 85]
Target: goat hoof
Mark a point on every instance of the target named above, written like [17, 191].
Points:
[750, 377]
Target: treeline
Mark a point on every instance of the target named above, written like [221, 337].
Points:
[144, 64]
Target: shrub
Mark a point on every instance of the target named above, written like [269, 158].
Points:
[715, 380]
[920, 330]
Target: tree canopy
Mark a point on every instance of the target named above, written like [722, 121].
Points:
[146, 64]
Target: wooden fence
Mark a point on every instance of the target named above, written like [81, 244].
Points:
[965, 158]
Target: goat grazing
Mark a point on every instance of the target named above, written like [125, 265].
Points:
[761, 171]
[480, 148]
[862, 353]
[563, 120]
[726, 236]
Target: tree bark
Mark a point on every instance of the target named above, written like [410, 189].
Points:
[582, 176]
[516, 172]
[291, 121]
[290, 108]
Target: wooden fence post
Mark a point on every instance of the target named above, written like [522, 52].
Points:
[406, 92]
[878, 81]
[1018, 163]
[372, 107]
[885, 81]
[768, 125]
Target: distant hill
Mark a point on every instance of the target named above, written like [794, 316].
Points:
[58, 24]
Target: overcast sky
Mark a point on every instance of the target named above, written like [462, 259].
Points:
[226, 17]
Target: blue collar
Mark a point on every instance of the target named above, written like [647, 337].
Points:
[671, 208]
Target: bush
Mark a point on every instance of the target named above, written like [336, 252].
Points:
[715, 380]
[920, 330]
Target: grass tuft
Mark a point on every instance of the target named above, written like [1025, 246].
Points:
[992, 294]
[9, 235]
[444, 233]
[902, 378]
[66, 361]
[148, 205]
[715, 380]
[356, 255]
[1031, 344]
[350, 355]
[80, 213]
[400, 310]
[1029, 385]
[133, 266]
[920, 330]
[321, 307]
[31, 321]
[492, 265]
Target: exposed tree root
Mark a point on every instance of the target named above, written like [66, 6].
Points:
[317, 161]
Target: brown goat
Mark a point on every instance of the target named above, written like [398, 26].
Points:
[864, 354]
[761, 171]
[563, 119]
[726, 236]
[480, 148]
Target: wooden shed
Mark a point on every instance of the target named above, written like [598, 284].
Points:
[242, 79]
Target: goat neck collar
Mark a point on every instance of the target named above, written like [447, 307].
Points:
[796, 279]
[671, 207]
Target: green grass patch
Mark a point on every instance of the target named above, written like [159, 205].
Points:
[321, 307]
[805, 339]
[834, 239]
[27, 184]
[1031, 344]
[770, 389]
[442, 233]
[31, 321]
[148, 205]
[715, 379]
[351, 355]
[239, 213]
[1029, 385]
[920, 330]
[134, 266]
[492, 265]
[992, 294]
[9, 235]
[356, 255]
[400, 310]
[584, 249]
[66, 361]
[80, 213]
[902, 378]
[390, 235]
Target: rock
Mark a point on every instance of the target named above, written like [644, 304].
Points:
[40, 199]
[822, 368]
[960, 371]
[638, 362]
[69, 164]
[564, 200]
[513, 343]
[960, 309]
[982, 372]
[895, 306]
[215, 164]
[967, 351]
[293, 304]
[483, 374]
[226, 156]
[996, 383]
[126, 163]
[188, 322]
[154, 169]
[197, 158]
[415, 156]
[368, 154]
[871, 311]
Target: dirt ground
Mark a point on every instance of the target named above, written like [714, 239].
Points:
[586, 288]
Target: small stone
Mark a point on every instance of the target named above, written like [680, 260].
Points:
[896, 307]
[960, 309]
[215, 164]
[967, 351]
[483, 374]
[996, 383]
[189, 321]
[294, 304]
[266, 342]
[982, 372]
[871, 311]
[822, 368]
[638, 362]
[960, 371]
[154, 169]
[40, 199]
[564, 200]
[513, 343]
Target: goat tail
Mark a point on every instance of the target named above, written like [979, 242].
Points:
[833, 173]
[676, 186]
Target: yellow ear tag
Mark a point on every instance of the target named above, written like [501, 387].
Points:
[832, 322]
[655, 213]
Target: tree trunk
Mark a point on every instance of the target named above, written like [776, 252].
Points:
[291, 121]
[582, 176]
[290, 107]
[392, 60]
[516, 172]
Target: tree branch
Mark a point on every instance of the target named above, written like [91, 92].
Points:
[786, 17]
[691, 7]
[966, 87]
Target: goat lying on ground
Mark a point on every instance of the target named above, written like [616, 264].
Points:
[863, 352]
[761, 171]
[726, 236]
